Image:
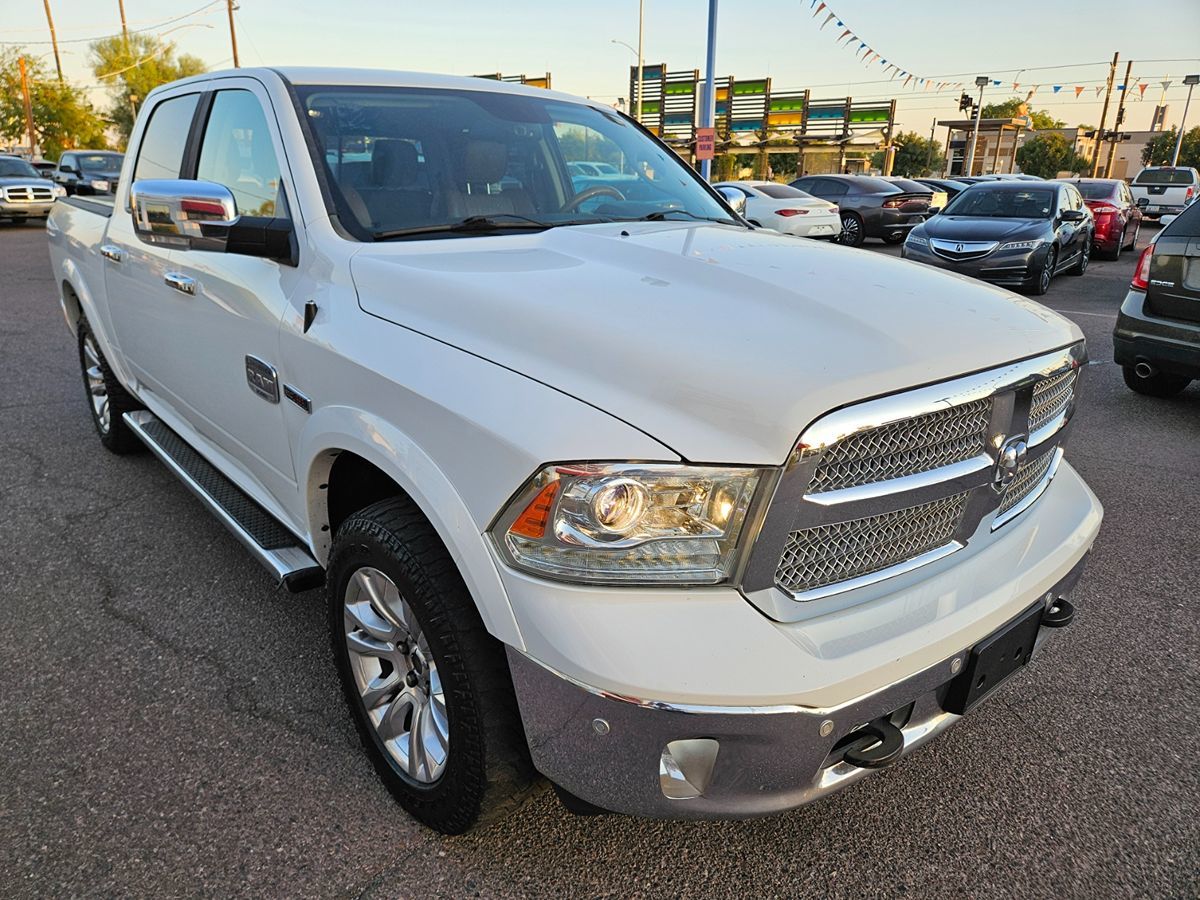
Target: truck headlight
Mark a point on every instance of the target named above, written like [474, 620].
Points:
[60, 191]
[98, 184]
[628, 523]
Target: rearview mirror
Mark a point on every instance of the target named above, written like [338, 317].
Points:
[202, 215]
[735, 198]
[1073, 215]
[934, 210]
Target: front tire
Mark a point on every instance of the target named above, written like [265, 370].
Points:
[1160, 384]
[107, 397]
[1041, 281]
[429, 689]
[894, 239]
[853, 233]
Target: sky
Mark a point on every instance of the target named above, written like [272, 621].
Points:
[1027, 42]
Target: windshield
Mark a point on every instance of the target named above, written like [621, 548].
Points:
[781, 191]
[1095, 190]
[1002, 203]
[11, 167]
[423, 160]
[1164, 176]
[100, 162]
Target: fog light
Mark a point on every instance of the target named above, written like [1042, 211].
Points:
[686, 767]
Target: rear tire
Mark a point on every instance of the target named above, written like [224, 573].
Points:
[1114, 254]
[107, 397]
[853, 233]
[473, 765]
[1160, 384]
[1085, 257]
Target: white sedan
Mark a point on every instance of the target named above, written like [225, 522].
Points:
[783, 208]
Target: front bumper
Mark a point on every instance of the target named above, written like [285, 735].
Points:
[1169, 344]
[11, 210]
[1012, 268]
[664, 760]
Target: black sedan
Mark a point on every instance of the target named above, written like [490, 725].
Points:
[951, 186]
[870, 207]
[1013, 233]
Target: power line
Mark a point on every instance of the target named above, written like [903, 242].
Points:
[206, 7]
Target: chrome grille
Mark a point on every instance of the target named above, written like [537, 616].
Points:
[915, 445]
[1051, 397]
[827, 554]
[1029, 476]
[25, 194]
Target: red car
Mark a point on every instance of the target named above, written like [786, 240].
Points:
[1118, 219]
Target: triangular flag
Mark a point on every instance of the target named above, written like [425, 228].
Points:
[818, 12]
[1166, 84]
[1098, 90]
[907, 80]
[842, 36]
[1120, 87]
[1078, 90]
[828, 19]
[1057, 88]
[840, 23]
[1142, 90]
[1016, 85]
[996, 83]
[861, 44]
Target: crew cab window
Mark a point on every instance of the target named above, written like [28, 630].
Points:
[161, 152]
[237, 152]
[405, 161]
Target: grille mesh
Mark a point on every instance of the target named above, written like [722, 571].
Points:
[1050, 397]
[1029, 476]
[827, 554]
[905, 448]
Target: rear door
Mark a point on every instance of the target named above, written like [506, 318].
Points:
[144, 310]
[1174, 288]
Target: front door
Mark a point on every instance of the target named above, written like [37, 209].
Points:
[226, 337]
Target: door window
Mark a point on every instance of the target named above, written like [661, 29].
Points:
[161, 152]
[237, 152]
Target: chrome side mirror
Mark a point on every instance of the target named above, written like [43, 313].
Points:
[933, 210]
[171, 212]
[735, 198]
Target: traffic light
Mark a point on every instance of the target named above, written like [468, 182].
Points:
[964, 103]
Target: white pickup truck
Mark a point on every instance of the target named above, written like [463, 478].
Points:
[604, 484]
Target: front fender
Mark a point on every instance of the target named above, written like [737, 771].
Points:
[337, 428]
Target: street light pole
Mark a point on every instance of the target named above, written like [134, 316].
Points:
[981, 83]
[1191, 81]
[709, 113]
[637, 114]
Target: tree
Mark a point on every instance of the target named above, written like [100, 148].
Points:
[133, 66]
[1048, 154]
[915, 156]
[62, 116]
[1015, 106]
[1157, 152]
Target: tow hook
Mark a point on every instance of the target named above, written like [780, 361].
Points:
[875, 745]
[1059, 614]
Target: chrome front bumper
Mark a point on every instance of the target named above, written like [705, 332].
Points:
[20, 210]
[677, 761]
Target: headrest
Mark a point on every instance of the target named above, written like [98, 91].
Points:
[393, 163]
[485, 162]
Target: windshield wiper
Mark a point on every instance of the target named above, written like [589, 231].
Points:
[660, 215]
[471, 224]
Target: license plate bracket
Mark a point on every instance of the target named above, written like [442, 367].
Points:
[993, 660]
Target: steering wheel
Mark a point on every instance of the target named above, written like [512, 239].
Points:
[599, 190]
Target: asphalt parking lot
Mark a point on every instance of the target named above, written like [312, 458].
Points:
[171, 724]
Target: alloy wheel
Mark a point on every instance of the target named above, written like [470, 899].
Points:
[396, 676]
[97, 390]
[1047, 272]
[851, 230]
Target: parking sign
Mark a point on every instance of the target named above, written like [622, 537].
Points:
[705, 139]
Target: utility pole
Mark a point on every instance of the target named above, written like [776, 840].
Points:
[232, 33]
[929, 150]
[28, 109]
[1116, 134]
[981, 83]
[53, 40]
[124, 26]
[709, 113]
[641, 58]
[1112, 73]
[1191, 81]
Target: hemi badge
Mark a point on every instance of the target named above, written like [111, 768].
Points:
[298, 398]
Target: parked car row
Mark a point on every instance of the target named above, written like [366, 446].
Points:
[28, 189]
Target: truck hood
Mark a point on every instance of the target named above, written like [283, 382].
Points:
[721, 343]
[24, 181]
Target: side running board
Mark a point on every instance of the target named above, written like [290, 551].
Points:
[264, 536]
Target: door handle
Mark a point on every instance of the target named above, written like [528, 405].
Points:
[180, 282]
[108, 251]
